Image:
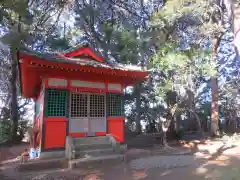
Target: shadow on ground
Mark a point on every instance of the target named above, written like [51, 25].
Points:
[209, 161]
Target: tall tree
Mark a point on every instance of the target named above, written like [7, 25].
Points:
[118, 28]
[200, 19]
[22, 24]
[15, 13]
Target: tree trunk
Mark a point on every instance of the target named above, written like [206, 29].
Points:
[13, 89]
[138, 107]
[139, 87]
[199, 124]
[166, 125]
[214, 89]
[214, 107]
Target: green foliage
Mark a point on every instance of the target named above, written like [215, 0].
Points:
[22, 129]
[108, 28]
[180, 65]
[175, 9]
[13, 15]
[127, 46]
[180, 133]
[127, 43]
[5, 131]
[205, 17]
[31, 24]
[12, 9]
[205, 109]
[58, 43]
[165, 21]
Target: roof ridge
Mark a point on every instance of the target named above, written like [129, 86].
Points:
[80, 45]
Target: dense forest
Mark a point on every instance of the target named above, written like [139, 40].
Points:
[190, 48]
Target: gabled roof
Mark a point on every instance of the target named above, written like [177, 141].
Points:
[83, 49]
[83, 44]
[35, 65]
[67, 58]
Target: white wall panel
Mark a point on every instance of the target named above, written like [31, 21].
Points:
[57, 82]
[87, 84]
[115, 87]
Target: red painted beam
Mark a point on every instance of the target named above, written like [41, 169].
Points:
[82, 51]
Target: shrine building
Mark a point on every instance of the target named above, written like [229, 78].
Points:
[77, 94]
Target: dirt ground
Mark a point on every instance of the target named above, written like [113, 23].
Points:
[10, 152]
[210, 160]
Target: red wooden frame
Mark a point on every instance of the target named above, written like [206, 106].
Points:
[75, 67]
[82, 134]
[56, 119]
[84, 51]
[84, 89]
[54, 132]
[74, 135]
[33, 69]
[116, 127]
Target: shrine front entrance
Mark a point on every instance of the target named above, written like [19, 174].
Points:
[87, 114]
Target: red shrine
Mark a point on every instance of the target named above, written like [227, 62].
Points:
[77, 94]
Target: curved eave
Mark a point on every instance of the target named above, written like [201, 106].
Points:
[141, 75]
[28, 66]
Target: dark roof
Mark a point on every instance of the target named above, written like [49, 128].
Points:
[56, 57]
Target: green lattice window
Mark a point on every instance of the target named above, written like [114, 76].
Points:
[37, 108]
[114, 104]
[56, 103]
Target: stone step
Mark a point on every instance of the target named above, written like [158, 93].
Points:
[45, 164]
[94, 153]
[84, 147]
[92, 140]
[90, 162]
